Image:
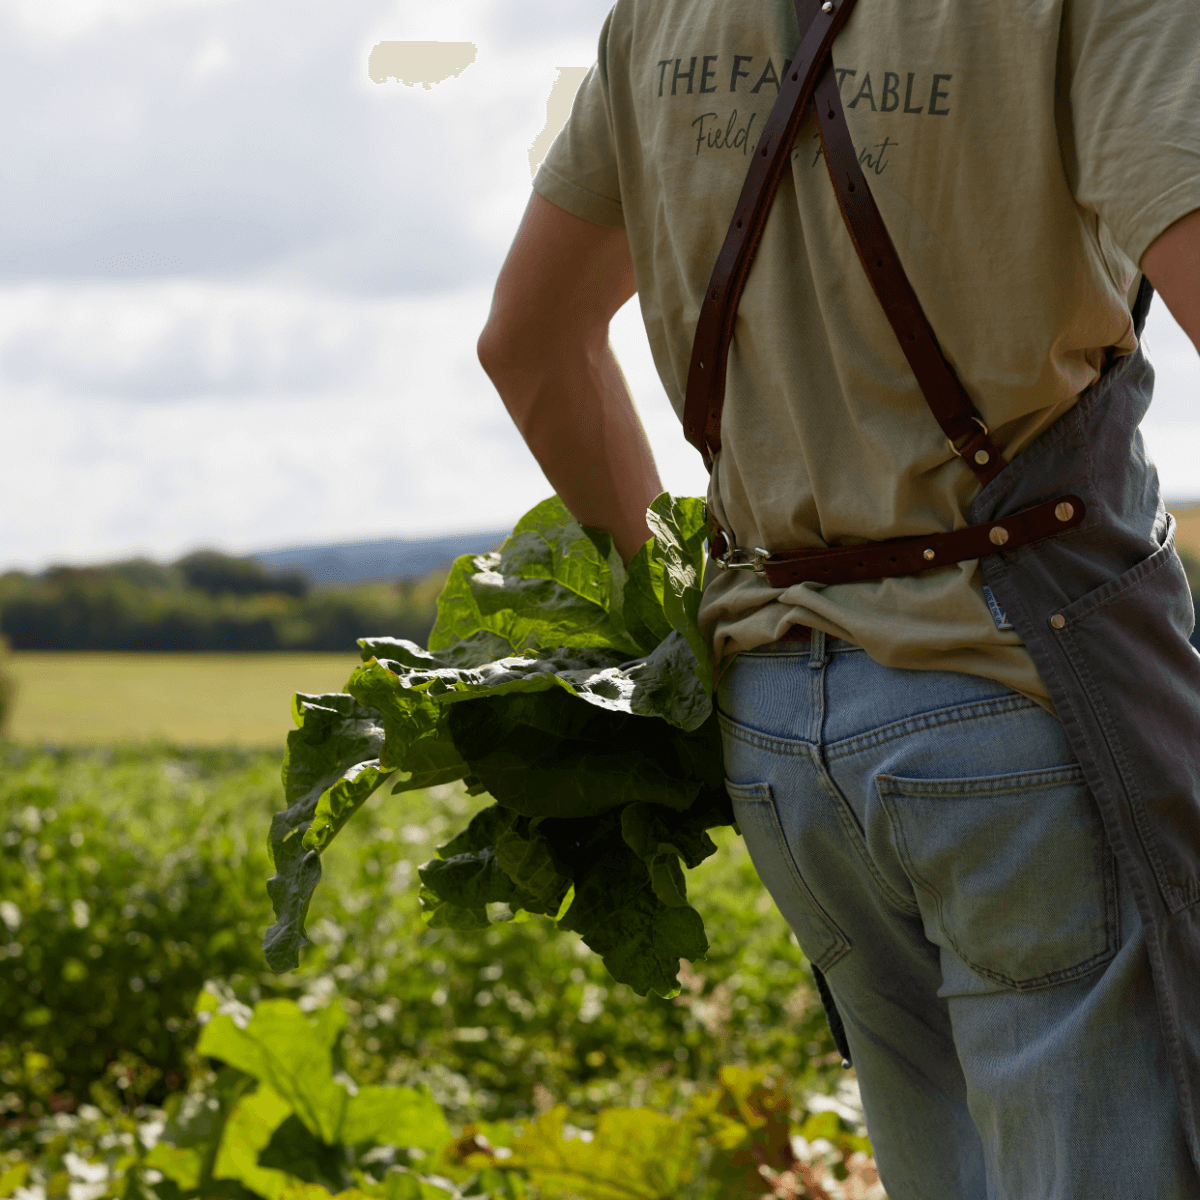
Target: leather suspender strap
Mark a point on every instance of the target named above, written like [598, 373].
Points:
[812, 74]
[945, 395]
[910, 556]
[705, 397]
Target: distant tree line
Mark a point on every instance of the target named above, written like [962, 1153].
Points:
[205, 601]
[216, 602]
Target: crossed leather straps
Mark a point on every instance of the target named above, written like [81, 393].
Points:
[810, 76]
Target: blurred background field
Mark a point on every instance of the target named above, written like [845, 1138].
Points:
[136, 789]
[74, 699]
[132, 874]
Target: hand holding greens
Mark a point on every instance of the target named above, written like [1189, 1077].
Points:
[574, 692]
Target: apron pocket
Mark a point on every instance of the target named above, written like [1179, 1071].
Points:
[1013, 873]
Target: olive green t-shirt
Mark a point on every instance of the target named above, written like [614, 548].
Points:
[1023, 156]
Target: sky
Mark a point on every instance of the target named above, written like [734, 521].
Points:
[241, 281]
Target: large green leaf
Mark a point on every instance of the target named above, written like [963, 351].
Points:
[679, 529]
[643, 608]
[291, 1053]
[330, 767]
[634, 1154]
[247, 1134]
[548, 586]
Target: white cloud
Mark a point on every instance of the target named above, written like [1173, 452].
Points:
[74, 18]
[240, 284]
[214, 58]
[173, 414]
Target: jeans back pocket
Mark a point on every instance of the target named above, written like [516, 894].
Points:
[1013, 873]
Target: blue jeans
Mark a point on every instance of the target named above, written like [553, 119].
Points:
[930, 839]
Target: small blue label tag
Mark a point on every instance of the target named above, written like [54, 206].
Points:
[998, 614]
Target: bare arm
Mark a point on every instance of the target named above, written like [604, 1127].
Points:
[545, 347]
[1172, 264]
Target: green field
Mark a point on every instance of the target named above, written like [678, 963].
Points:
[185, 699]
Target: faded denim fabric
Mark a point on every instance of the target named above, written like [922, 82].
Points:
[1106, 614]
[932, 841]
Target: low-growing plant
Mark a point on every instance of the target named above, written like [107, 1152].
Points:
[497, 1025]
[270, 1114]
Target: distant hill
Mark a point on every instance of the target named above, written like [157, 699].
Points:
[366, 562]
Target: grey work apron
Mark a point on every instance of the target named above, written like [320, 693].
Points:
[1106, 613]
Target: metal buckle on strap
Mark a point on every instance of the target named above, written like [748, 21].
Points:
[736, 559]
[733, 558]
[955, 449]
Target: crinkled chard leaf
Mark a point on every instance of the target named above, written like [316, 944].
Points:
[679, 530]
[330, 767]
[575, 693]
[548, 586]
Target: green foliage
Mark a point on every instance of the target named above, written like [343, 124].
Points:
[222, 574]
[274, 1118]
[493, 1022]
[206, 601]
[8, 687]
[561, 732]
[124, 886]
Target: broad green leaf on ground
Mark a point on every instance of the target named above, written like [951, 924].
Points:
[187, 1148]
[13, 1178]
[292, 1054]
[634, 1154]
[548, 586]
[679, 530]
[397, 1184]
[334, 749]
[247, 1133]
[179, 1164]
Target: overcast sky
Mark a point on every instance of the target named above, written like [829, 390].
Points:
[241, 284]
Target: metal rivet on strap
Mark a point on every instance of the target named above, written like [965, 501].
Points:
[827, 7]
[929, 554]
[998, 535]
[1064, 511]
[982, 457]
[1058, 621]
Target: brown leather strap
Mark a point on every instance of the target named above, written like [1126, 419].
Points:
[910, 556]
[819, 23]
[705, 396]
[945, 395]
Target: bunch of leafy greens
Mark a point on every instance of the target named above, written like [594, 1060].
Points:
[578, 695]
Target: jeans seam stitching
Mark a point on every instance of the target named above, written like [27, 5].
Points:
[841, 943]
[975, 710]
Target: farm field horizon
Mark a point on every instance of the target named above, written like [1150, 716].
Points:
[189, 699]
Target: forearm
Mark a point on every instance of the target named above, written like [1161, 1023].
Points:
[545, 347]
[575, 413]
[1172, 264]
